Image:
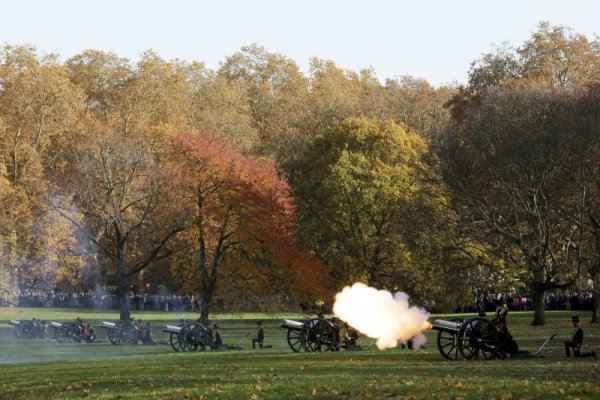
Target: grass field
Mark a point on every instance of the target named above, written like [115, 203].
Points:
[45, 369]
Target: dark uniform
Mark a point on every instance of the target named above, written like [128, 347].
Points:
[576, 341]
[336, 332]
[217, 339]
[260, 336]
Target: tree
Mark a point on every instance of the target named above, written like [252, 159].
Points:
[334, 96]
[583, 170]
[417, 105]
[554, 55]
[221, 107]
[564, 63]
[122, 206]
[361, 199]
[239, 211]
[150, 99]
[504, 162]
[39, 112]
[8, 245]
[276, 93]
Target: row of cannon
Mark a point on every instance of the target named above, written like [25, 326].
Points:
[468, 339]
[120, 333]
[185, 337]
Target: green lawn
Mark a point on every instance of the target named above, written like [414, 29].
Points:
[45, 369]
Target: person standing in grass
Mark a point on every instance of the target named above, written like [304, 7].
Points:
[217, 339]
[260, 336]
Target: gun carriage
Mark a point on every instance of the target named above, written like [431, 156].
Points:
[122, 332]
[313, 335]
[67, 332]
[473, 338]
[27, 329]
[188, 337]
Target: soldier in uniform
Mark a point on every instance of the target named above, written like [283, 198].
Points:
[576, 340]
[81, 325]
[147, 334]
[336, 333]
[260, 336]
[139, 326]
[89, 334]
[217, 341]
[350, 336]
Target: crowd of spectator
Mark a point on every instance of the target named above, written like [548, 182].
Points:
[554, 300]
[141, 301]
[104, 300]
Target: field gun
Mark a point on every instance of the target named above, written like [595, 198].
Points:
[480, 338]
[316, 334]
[472, 338]
[122, 332]
[26, 329]
[188, 337]
[66, 332]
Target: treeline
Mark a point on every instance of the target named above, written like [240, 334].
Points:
[256, 180]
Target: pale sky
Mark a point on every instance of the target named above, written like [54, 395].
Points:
[435, 40]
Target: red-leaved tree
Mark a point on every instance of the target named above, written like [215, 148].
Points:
[238, 211]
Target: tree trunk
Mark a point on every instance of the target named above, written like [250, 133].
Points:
[123, 295]
[539, 316]
[205, 299]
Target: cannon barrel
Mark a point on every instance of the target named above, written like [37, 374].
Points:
[446, 326]
[13, 322]
[291, 324]
[172, 329]
[108, 325]
[56, 324]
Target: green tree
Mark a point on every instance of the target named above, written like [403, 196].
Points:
[360, 189]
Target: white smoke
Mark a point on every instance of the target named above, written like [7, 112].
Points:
[379, 314]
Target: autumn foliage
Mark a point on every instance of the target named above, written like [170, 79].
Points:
[239, 214]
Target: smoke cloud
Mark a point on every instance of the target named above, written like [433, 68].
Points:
[379, 314]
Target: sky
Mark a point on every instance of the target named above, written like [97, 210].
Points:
[434, 40]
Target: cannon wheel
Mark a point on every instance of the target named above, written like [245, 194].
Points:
[317, 338]
[448, 343]
[186, 341]
[59, 334]
[67, 333]
[72, 333]
[19, 332]
[193, 337]
[127, 333]
[113, 335]
[478, 338]
[25, 330]
[22, 331]
[174, 341]
[294, 339]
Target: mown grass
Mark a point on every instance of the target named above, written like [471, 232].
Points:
[49, 370]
